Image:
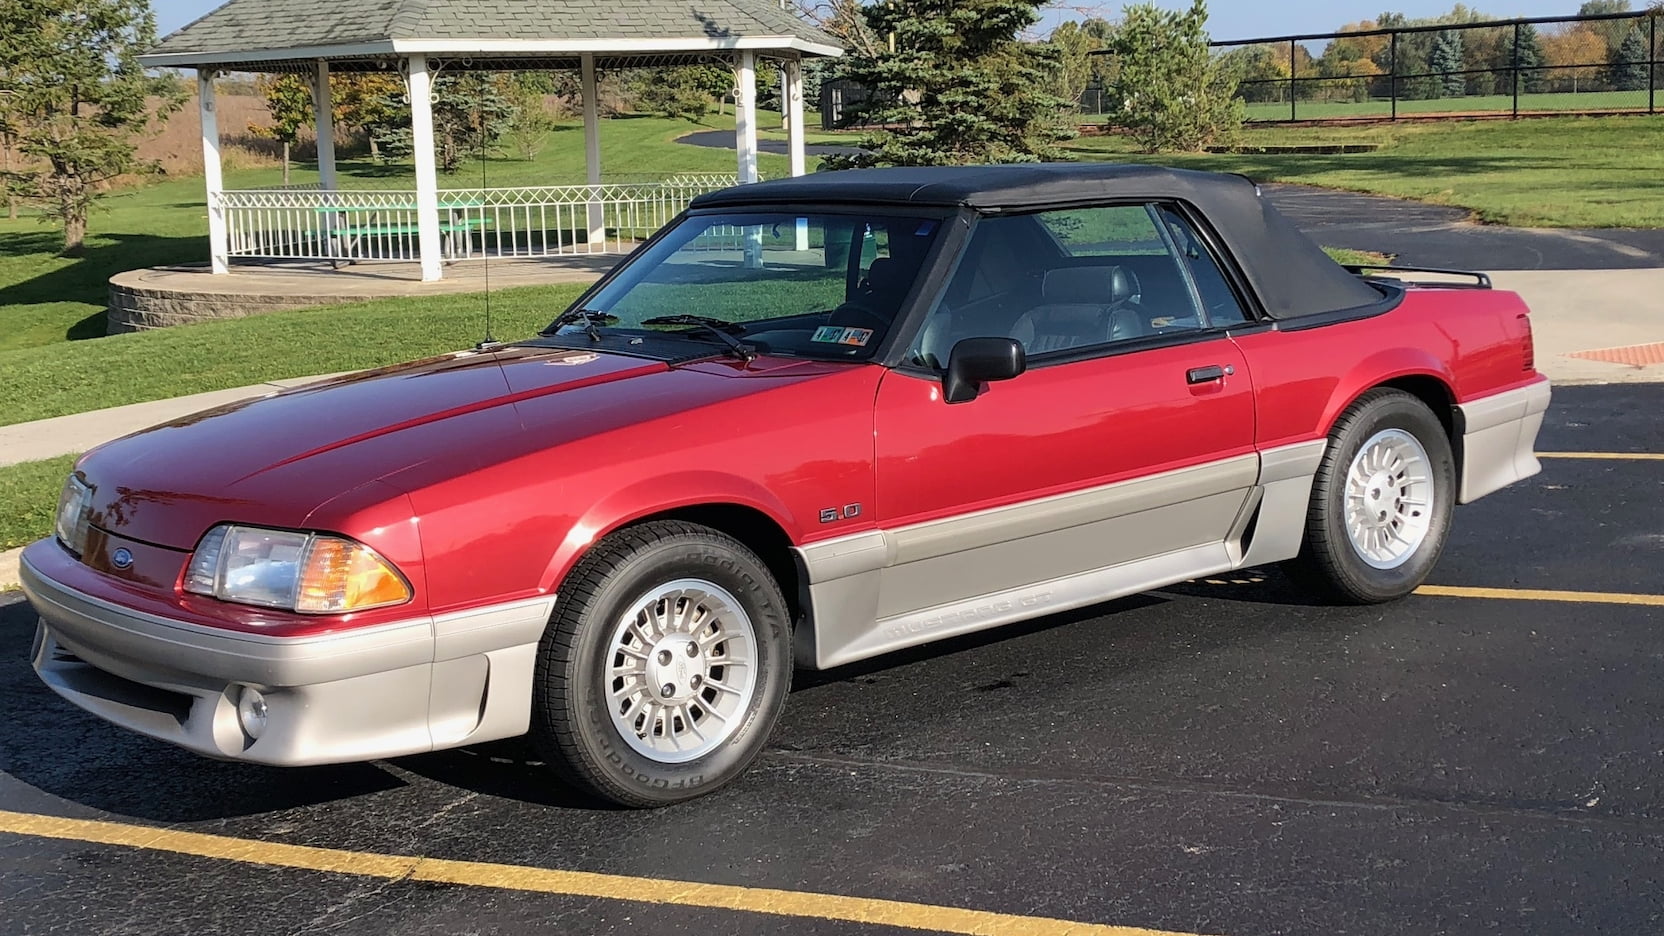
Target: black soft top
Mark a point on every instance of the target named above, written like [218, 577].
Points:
[1292, 276]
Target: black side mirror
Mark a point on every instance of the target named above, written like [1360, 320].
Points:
[975, 361]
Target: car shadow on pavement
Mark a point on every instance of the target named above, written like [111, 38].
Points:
[55, 748]
[58, 750]
[1265, 585]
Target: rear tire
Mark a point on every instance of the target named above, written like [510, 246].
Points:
[665, 666]
[1381, 503]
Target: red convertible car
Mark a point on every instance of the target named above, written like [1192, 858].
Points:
[809, 422]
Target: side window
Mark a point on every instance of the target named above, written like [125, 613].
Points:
[1219, 300]
[1090, 278]
[1105, 232]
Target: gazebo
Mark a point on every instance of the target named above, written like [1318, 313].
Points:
[421, 39]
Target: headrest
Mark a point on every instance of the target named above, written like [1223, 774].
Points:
[884, 275]
[1099, 285]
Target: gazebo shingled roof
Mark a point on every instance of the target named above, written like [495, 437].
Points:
[261, 31]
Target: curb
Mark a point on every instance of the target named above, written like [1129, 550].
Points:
[9, 562]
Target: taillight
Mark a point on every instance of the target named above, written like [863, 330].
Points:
[1528, 346]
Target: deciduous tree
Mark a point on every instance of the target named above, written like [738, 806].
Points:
[1576, 55]
[78, 100]
[289, 102]
[370, 102]
[1077, 66]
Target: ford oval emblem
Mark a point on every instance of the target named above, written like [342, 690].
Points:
[122, 558]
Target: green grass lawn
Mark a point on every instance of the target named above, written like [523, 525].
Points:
[1564, 102]
[28, 498]
[1547, 172]
[76, 376]
[46, 299]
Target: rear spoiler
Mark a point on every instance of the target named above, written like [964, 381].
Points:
[1481, 280]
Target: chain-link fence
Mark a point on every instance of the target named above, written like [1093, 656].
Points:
[1604, 64]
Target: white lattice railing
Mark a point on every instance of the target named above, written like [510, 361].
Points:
[541, 221]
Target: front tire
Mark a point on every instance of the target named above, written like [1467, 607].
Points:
[665, 666]
[1381, 502]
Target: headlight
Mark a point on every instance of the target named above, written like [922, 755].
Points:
[311, 573]
[73, 505]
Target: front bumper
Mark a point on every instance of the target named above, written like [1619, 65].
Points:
[1499, 438]
[422, 684]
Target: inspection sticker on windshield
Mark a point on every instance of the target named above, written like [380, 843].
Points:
[833, 334]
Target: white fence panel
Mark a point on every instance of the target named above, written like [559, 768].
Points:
[348, 226]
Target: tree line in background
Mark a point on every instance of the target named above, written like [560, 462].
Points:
[942, 82]
[1465, 60]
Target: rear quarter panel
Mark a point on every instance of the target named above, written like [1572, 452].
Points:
[1467, 339]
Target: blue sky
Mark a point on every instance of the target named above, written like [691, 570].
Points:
[1231, 19]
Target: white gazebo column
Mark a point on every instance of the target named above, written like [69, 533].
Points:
[427, 170]
[323, 108]
[219, 241]
[592, 151]
[745, 116]
[795, 131]
[745, 143]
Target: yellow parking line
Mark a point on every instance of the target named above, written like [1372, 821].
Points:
[1605, 456]
[1538, 594]
[566, 883]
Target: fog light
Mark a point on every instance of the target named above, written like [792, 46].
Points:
[251, 712]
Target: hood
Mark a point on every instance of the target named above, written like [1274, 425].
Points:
[277, 459]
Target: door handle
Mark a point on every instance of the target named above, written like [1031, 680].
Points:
[1201, 375]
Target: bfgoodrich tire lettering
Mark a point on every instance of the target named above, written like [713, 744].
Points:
[1381, 502]
[668, 588]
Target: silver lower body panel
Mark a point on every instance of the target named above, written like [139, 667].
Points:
[1499, 439]
[413, 686]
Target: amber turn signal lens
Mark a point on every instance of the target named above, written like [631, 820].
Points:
[341, 575]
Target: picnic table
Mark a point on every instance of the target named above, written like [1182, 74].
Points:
[349, 226]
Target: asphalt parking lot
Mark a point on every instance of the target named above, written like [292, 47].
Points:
[1221, 757]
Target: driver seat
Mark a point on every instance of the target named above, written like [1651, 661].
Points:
[1082, 306]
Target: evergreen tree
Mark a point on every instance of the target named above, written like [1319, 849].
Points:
[370, 102]
[77, 100]
[951, 84]
[1531, 59]
[1629, 63]
[470, 114]
[1169, 90]
[1446, 62]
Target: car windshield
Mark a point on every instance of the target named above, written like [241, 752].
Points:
[802, 284]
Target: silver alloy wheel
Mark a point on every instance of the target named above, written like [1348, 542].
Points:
[681, 670]
[1389, 499]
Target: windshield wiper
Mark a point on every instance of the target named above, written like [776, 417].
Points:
[715, 327]
[588, 318]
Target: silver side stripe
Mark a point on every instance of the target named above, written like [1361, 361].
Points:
[878, 549]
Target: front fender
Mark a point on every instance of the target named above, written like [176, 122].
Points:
[659, 495]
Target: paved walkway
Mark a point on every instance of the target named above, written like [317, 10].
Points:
[724, 139]
[1572, 311]
[1419, 234]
